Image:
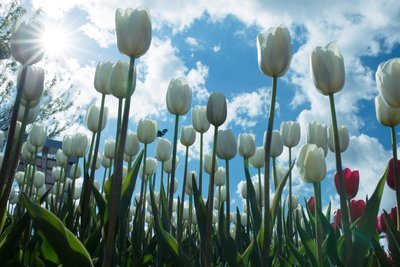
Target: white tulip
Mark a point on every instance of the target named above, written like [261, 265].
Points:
[290, 133]
[199, 119]
[344, 138]
[246, 145]
[179, 96]
[387, 80]
[311, 163]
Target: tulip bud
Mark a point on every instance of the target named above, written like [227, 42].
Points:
[311, 163]
[151, 165]
[98, 161]
[216, 109]
[221, 196]
[290, 133]
[133, 28]
[246, 145]
[77, 192]
[147, 131]
[56, 173]
[327, 69]
[280, 174]
[33, 113]
[102, 77]
[344, 138]
[93, 117]
[19, 176]
[32, 149]
[274, 51]
[61, 158]
[311, 204]
[67, 145]
[106, 162]
[109, 148]
[128, 158]
[119, 79]
[179, 96]
[26, 155]
[32, 86]
[220, 176]
[37, 136]
[2, 138]
[257, 160]
[25, 42]
[132, 145]
[189, 182]
[337, 219]
[387, 80]
[199, 119]
[79, 145]
[208, 163]
[176, 184]
[351, 180]
[381, 221]
[168, 164]
[317, 134]
[243, 219]
[226, 145]
[243, 189]
[163, 149]
[39, 179]
[1, 158]
[295, 202]
[385, 114]
[188, 136]
[390, 178]
[357, 209]
[276, 144]
[75, 171]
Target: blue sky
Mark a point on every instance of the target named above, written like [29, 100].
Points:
[213, 45]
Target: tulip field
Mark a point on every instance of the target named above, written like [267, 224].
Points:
[172, 221]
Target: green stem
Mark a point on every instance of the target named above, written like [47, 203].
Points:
[74, 178]
[11, 132]
[91, 150]
[113, 207]
[180, 225]
[259, 188]
[201, 165]
[190, 213]
[342, 192]
[267, 150]
[318, 226]
[171, 188]
[278, 215]
[117, 134]
[396, 174]
[228, 207]
[64, 178]
[104, 179]
[210, 202]
[290, 219]
[246, 166]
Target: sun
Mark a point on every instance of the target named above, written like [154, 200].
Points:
[55, 41]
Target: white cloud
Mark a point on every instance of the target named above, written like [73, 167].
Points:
[192, 41]
[216, 48]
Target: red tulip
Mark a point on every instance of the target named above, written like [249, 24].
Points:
[390, 175]
[381, 223]
[337, 219]
[311, 205]
[357, 209]
[351, 181]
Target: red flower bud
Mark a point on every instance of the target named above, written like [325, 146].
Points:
[381, 223]
[390, 175]
[351, 181]
[311, 205]
[337, 219]
[357, 209]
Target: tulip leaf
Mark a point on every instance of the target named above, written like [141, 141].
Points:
[101, 204]
[393, 240]
[11, 237]
[332, 248]
[201, 210]
[363, 234]
[380, 253]
[166, 239]
[309, 245]
[229, 249]
[255, 214]
[68, 248]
